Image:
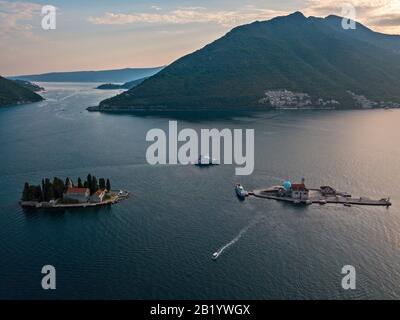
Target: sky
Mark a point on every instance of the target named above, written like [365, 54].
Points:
[112, 34]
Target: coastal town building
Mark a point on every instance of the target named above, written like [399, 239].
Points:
[77, 194]
[362, 101]
[286, 99]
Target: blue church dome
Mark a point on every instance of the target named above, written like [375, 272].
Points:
[287, 185]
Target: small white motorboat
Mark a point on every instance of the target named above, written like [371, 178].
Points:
[215, 256]
[240, 192]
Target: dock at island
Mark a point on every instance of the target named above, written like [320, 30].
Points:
[317, 198]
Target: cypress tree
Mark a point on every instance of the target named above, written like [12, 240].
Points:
[31, 193]
[58, 186]
[102, 183]
[25, 193]
[43, 190]
[37, 193]
[61, 187]
[108, 185]
[80, 183]
[89, 181]
[49, 193]
[94, 185]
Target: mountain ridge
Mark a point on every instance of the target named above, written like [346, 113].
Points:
[115, 75]
[311, 61]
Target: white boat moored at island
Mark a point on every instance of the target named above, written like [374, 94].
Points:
[207, 161]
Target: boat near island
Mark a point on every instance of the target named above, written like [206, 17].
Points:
[207, 161]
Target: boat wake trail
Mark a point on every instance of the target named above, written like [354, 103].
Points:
[216, 254]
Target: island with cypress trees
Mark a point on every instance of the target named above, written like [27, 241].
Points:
[58, 193]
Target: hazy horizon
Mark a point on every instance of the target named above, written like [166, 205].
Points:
[99, 35]
[88, 70]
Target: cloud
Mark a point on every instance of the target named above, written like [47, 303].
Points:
[226, 18]
[334, 6]
[391, 20]
[380, 15]
[16, 18]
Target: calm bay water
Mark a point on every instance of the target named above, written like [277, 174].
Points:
[158, 244]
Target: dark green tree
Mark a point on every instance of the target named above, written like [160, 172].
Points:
[49, 190]
[108, 185]
[25, 193]
[31, 193]
[102, 183]
[80, 185]
[35, 193]
[94, 186]
[58, 188]
[89, 181]
[38, 193]
[43, 189]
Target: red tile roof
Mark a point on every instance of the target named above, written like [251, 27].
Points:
[77, 190]
[299, 187]
[99, 192]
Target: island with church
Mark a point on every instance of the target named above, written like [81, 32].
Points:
[299, 193]
[56, 193]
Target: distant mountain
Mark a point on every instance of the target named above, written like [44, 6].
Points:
[289, 61]
[126, 85]
[110, 86]
[12, 93]
[121, 75]
[29, 85]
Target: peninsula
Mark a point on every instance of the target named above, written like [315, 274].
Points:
[29, 85]
[125, 86]
[13, 93]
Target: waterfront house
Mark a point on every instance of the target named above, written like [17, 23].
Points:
[77, 194]
[299, 191]
[98, 196]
